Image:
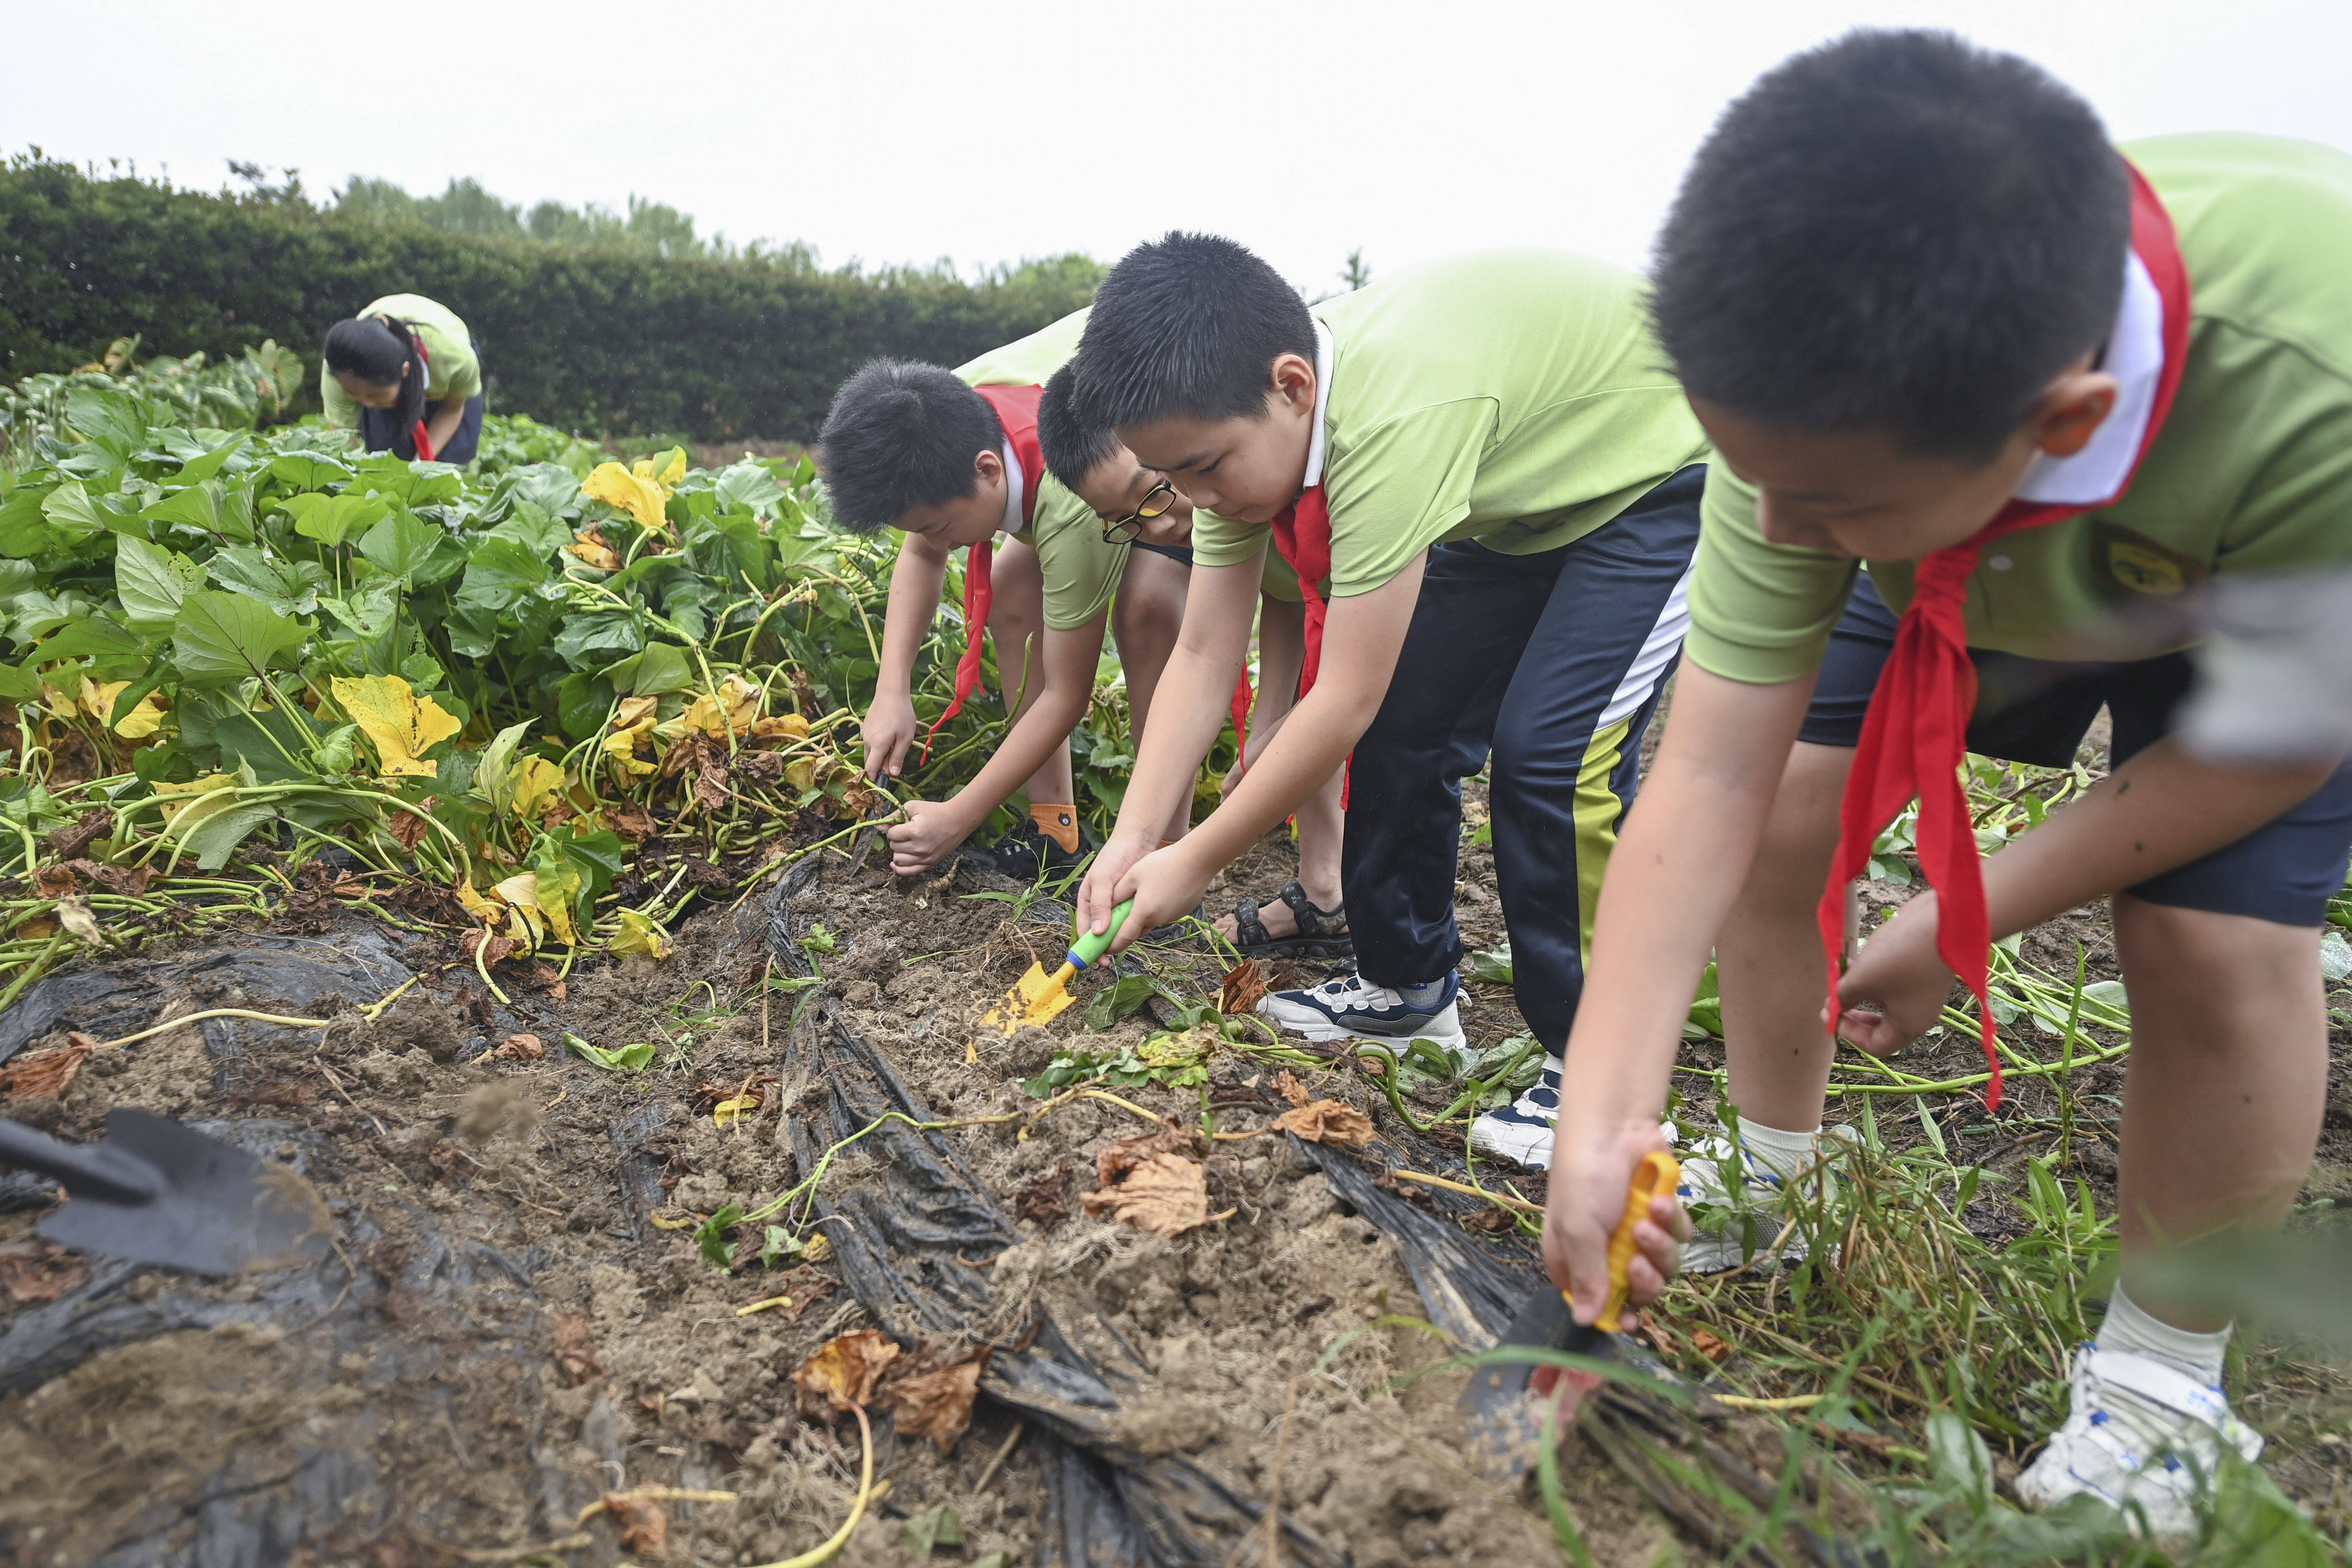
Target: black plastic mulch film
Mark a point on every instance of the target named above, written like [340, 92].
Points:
[901, 1238]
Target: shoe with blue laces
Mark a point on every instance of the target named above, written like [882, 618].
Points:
[2143, 1437]
[1522, 1131]
[1351, 1007]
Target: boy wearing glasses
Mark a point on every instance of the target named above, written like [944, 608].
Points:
[1482, 468]
[951, 459]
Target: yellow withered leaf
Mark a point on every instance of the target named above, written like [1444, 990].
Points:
[639, 494]
[729, 711]
[557, 891]
[400, 724]
[489, 911]
[727, 1110]
[178, 819]
[670, 475]
[620, 745]
[639, 934]
[634, 710]
[525, 922]
[791, 726]
[588, 548]
[98, 700]
[537, 784]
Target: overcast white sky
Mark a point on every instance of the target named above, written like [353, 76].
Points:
[911, 130]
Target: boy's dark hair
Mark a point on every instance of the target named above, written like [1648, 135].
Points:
[1187, 327]
[902, 434]
[377, 350]
[1897, 231]
[1072, 442]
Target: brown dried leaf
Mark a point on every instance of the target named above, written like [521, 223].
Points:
[54, 882]
[493, 949]
[645, 1528]
[47, 1075]
[631, 821]
[520, 1049]
[845, 1369]
[87, 829]
[937, 1402]
[409, 828]
[1243, 988]
[711, 791]
[1166, 1194]
[1286, 1084]
[1329, 1121]
[128, 879]
[80, 921]
[1113, 1164]
[39, 1271]
[576, 1352]
[1707, 1345]
[1045, 1198]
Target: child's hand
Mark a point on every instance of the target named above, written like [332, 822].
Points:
[1098, 895]
[888, 731]
[1898, 971]
[1165, 885]
[931, 830]
[1582, 1207]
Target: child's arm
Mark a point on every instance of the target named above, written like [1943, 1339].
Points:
[2162, 809]
[446, 417]
[1361, 635]
[933, 828]
[915, 583]
[1672, 879]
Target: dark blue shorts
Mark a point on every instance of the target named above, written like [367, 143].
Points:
[2037, 711]
[1180, 553]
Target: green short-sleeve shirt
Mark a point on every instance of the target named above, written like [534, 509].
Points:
[1514, 398]
[1081, 567]
[2251, 473]
[452, 369]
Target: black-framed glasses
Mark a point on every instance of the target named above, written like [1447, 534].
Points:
[1156, 502]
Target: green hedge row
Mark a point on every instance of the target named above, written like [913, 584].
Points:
[601, 341]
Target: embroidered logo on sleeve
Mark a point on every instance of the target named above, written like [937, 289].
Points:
[2139, 564]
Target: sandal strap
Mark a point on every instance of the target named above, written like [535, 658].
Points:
[1248, 929]
[1314, 921]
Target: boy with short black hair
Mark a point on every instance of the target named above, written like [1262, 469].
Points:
[1935, 323]
[951, 457]
[1493, 491]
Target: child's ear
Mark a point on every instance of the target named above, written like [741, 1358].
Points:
[1294, 381]
[2071, 412]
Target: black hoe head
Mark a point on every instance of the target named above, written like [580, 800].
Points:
[217, 1209]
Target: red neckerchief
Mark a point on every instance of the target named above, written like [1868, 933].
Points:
[1302, 532]
[424, 440]
[1914, 736]
[1016, 410]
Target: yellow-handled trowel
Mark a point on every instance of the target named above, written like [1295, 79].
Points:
[1040, 997]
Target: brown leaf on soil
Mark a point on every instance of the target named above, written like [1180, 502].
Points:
[1045, 1198]
[1284, 976]
[39, 1271]
[54, 882]
[128, 879]
[87, 830]
[1329, 1121]
[309, 910]
[1166, 1194]
[631, 821]
[492, 949]
[1243, 988]
[47, 1075]
[845, 1370]
[937, 1402]
[1286, 1084]
[576, 1352]
[761, 767]
[645, 1528]
[520, 1049]
[1113, 1164]
[1707, 1345]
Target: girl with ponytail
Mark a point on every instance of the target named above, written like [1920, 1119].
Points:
[406, 375]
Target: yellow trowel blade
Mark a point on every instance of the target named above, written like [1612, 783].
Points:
[1036, 999]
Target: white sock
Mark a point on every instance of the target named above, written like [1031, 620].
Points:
[2128, 1327]
[1783, 1153]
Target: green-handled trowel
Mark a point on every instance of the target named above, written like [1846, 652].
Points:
[1040, 997]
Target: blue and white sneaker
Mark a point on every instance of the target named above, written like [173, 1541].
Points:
[2143, 1437]
[1351, 1007]
[1522, 1131]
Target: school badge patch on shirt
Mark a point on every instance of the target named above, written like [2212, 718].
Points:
[2139, 564]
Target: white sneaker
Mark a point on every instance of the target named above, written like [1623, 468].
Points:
[1522, 1131]
[1739, 1227]
[2142, 1436]
[1353, 1008]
